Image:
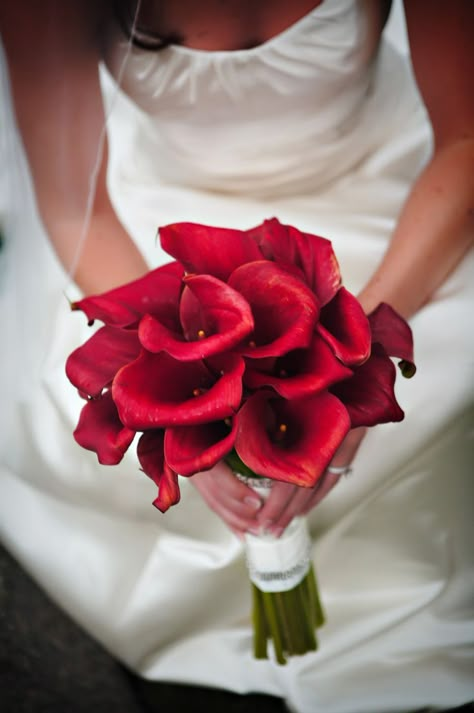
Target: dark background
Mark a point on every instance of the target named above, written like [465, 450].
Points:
[49, 665]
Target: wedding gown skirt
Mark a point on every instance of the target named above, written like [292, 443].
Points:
[230, 139]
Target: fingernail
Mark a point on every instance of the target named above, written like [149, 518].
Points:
[267, 526]
[276, 531]
[257, 531]
[253, 502]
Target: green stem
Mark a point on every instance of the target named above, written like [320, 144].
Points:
[260, 629]
[284, 616]
[309, 638]
[316, 607]
[273, 625]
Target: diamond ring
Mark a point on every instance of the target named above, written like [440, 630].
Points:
[339, 469]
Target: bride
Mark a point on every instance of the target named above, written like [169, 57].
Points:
[227, 114]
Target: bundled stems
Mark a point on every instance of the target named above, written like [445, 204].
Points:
[287, 619]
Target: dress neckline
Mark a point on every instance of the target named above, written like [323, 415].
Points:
[248, 51]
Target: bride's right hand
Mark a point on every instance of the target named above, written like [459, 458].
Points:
[235, 503]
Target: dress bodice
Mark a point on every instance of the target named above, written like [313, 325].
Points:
[285, 117]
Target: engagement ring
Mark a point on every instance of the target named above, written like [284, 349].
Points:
[339, 469]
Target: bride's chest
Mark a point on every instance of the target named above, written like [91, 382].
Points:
[216, 25]
[322, 59]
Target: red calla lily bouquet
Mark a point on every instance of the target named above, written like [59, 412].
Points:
[245, 348]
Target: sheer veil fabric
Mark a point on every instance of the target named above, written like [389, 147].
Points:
[312, 129]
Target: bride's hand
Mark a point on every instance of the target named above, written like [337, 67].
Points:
[287, 501]
[244, 511]
[234, 502]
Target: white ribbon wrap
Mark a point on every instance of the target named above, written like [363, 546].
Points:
[279, 564]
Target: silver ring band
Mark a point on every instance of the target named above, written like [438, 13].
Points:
[339, 469]
[257, 482]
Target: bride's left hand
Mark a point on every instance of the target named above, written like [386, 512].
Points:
[287, 501]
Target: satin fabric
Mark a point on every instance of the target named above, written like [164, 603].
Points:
[313, 129]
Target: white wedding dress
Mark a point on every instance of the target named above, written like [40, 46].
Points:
[313, 130]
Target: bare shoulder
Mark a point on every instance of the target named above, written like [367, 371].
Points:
[441, 45]
[41, 30]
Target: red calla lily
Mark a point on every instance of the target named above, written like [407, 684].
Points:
[293, 441]
[312, 254]
[151, 457]
[369, 395]
[298, 373]
[156, 391]
[157, 292]
[100, 430]
[93, 366]
[264, 309]
[214, 318]
[204, 249]
[191, 449]
[344, 326]
[391, 331]
[284, 309]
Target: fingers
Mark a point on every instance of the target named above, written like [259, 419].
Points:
[323, 488]
[243, 510]
[228, 497]
[284, 503]
[346, 452]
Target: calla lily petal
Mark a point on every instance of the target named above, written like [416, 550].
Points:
[391, 331]
[299, 373]
[156, 391]
[214, 318]
[284, 309]
[369, 395]
[293, 441]
[313, 254]
[100, 430]
[157, 292]
[344, 326]
[150, 454]
[92, 366]
[191, 449]
[207, 250]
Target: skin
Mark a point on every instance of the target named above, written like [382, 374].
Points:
[58, 68]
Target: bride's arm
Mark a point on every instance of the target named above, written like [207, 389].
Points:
[53, 51]
[436, 226]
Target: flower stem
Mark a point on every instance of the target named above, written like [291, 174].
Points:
[274, 627]
[313, 594]
[288, 619]
[260, 629]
